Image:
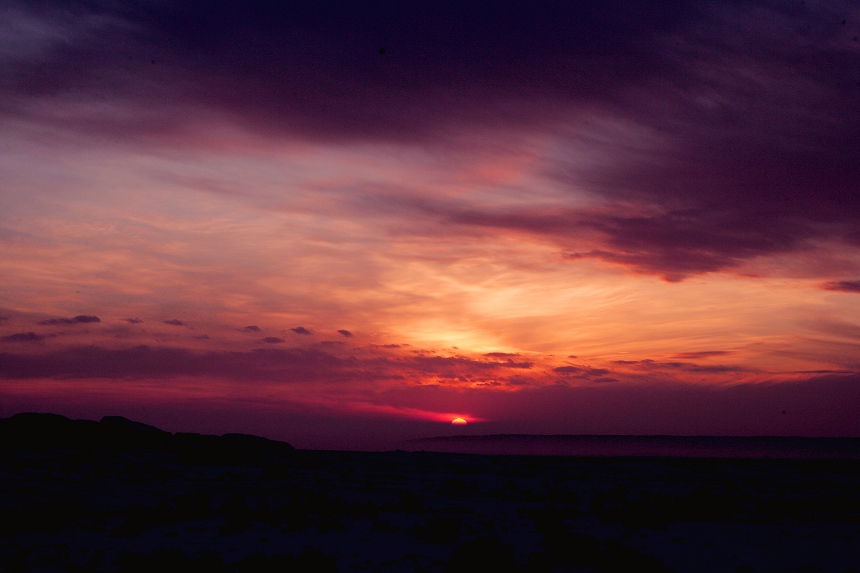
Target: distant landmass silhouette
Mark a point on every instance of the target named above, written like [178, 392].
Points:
[643, 446]
[36, 431]
[120, 495]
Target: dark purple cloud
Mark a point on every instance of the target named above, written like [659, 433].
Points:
[272, 340]
[23, 337]
[447, 362]
[80, 319]
[174, 322]
[301, 330]
[701, 354]
[315, 70]
[133, 320]
[251, 329]
[292, 364]
[842, 286]
[735, 124]
[653, 365]
[584, 372]
[4, 318]
[675, 244]
[345, 332]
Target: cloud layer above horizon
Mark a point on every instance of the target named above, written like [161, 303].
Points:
[480, 197]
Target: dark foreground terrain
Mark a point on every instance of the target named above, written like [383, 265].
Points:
[120, 496]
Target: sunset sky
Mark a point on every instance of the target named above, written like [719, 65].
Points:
[347, 224]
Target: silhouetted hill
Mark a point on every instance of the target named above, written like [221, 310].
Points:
[32, 431]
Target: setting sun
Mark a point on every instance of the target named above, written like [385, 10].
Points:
[459, 421]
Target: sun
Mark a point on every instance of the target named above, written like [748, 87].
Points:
[459, 421]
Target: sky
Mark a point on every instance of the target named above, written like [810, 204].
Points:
[346, 224]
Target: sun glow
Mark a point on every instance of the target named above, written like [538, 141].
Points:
[459, 421]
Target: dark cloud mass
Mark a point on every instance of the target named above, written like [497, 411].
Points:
[174, 322]
[653, 365]
[301, 330]
[345, 332]
[701, 354]
[580, 371]
[315, 69]
[735, 136]
[133, 320]
[23, 337]
[272, 340]
[251, 329]
[80, 319]
[842, 286]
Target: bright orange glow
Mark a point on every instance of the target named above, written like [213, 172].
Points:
[459, 421]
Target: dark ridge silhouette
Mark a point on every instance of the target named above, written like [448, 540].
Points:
[34, 431]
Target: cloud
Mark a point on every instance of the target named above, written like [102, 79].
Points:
[80, 319]
[653, 365]
[308, 365]
[174, 322]
[251, 329]
[301, 330]
[509, 65]
[701, 354]
[144, 361]
[4, 318]
[345, 332]
[581, 371]
[23, 337]
[842, 286]
[674, 244]
[662, 114]
[133, 320]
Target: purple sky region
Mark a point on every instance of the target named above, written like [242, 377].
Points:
[346, 224]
